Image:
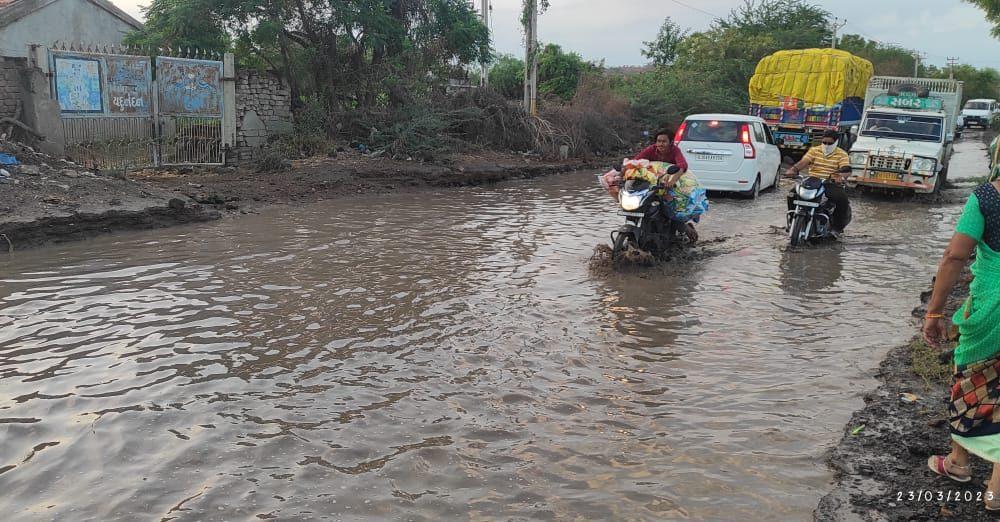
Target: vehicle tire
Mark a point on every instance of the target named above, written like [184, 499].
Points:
[941, 180]
[798, 225]
[754, 191]
[621, 243]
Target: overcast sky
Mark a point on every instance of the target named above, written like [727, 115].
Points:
[614, 30]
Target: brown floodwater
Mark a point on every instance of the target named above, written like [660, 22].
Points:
[446, 355]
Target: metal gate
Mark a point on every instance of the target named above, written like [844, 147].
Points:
[123, 111]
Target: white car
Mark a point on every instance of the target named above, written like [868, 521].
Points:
[979, 112]
[730, 152]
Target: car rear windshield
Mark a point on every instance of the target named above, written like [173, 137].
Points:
[979, 106]
[902, 126]
[714, 131]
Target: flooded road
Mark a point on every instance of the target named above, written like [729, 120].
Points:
[446, 355]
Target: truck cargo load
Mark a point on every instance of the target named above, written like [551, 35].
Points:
[801, 93]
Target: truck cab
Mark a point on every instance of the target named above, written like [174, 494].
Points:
[905, 138]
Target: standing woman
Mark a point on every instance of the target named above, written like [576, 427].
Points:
[974, 410]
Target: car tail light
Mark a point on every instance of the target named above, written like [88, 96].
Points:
[680, 133]
[748, 151]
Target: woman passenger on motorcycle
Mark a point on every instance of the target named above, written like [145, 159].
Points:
[663, 150]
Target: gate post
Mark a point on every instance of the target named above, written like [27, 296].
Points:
[228, 105]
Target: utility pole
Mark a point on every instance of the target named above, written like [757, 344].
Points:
[484, 80]
[835, 26]
[917, 56]
[531, 57]
[951, 67]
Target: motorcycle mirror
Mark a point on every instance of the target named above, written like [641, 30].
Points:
[854, 130]
[673, 169]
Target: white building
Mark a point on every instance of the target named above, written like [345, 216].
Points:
[90, 22]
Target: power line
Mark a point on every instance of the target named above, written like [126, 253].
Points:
[951, 67]
[700, 10]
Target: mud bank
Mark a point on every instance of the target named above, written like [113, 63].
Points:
[349, 174]
[881, 463]
[45, 200]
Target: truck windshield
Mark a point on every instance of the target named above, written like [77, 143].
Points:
[978, 106]
[902, 126]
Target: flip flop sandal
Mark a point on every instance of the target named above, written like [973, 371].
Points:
[991, 505]
[936, 464]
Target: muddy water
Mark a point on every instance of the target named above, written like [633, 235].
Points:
[445, 355]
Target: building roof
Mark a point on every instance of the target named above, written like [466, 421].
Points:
[14, 10]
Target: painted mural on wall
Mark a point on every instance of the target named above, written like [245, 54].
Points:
[78, 84]
[129, 80]
[190, 87]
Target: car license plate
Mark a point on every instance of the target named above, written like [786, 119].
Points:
[885, 176]
[711, 157]
[793, 139]
[806, 203]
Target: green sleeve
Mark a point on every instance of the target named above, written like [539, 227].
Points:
[972, 222]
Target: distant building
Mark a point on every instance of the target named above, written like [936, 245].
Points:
[24, 22]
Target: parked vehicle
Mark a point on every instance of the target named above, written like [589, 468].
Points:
[649, 225]
[810, 219]
[802, 93]
[730, 152]
[979, 112]
[905, 138]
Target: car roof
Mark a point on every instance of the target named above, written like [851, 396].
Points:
[724, 117]
[982, 100]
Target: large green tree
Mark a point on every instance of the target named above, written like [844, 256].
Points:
[349, 53]
[992, 10]
[662, 50]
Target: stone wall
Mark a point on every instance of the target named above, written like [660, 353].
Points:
[263, 109]
[12, 85]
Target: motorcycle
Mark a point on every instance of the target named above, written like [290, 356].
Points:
[812, 213]
[649, 224]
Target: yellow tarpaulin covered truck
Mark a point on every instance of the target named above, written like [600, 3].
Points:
[801, 93]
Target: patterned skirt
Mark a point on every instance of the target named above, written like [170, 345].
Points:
[975, 399]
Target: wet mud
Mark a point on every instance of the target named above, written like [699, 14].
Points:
[881, 461]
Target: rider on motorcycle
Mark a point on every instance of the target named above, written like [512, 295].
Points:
[663, 150]
[828, 162]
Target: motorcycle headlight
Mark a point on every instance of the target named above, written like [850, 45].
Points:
[858, 158]
[631, 202]
[807, 194]
[923, 164]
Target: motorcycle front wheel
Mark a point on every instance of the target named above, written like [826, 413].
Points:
[798, 227]
[620, 245]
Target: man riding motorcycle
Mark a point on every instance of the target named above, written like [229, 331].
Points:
[829, 162]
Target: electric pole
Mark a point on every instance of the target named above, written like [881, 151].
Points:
[835, 26]
[531, 56]
[484, 80]
[951, 67]
[917, 56]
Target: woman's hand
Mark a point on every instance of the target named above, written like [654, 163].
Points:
[935, 331]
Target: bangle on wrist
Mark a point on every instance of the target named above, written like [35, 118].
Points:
[934, 316]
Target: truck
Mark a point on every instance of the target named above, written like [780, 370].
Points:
[802, 93]
[904, 142]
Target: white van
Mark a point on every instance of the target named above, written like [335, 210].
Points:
[979, 112]
[730, 152]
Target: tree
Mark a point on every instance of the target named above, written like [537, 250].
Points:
[559, 72]
[180, 24]
[663, 50]
[992, 9]
[349, 53]
[888, 60]
[507, 77]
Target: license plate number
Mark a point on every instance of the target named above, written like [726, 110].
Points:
[793, 139]
[885, 176]
[807, 204]
[711, 157]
